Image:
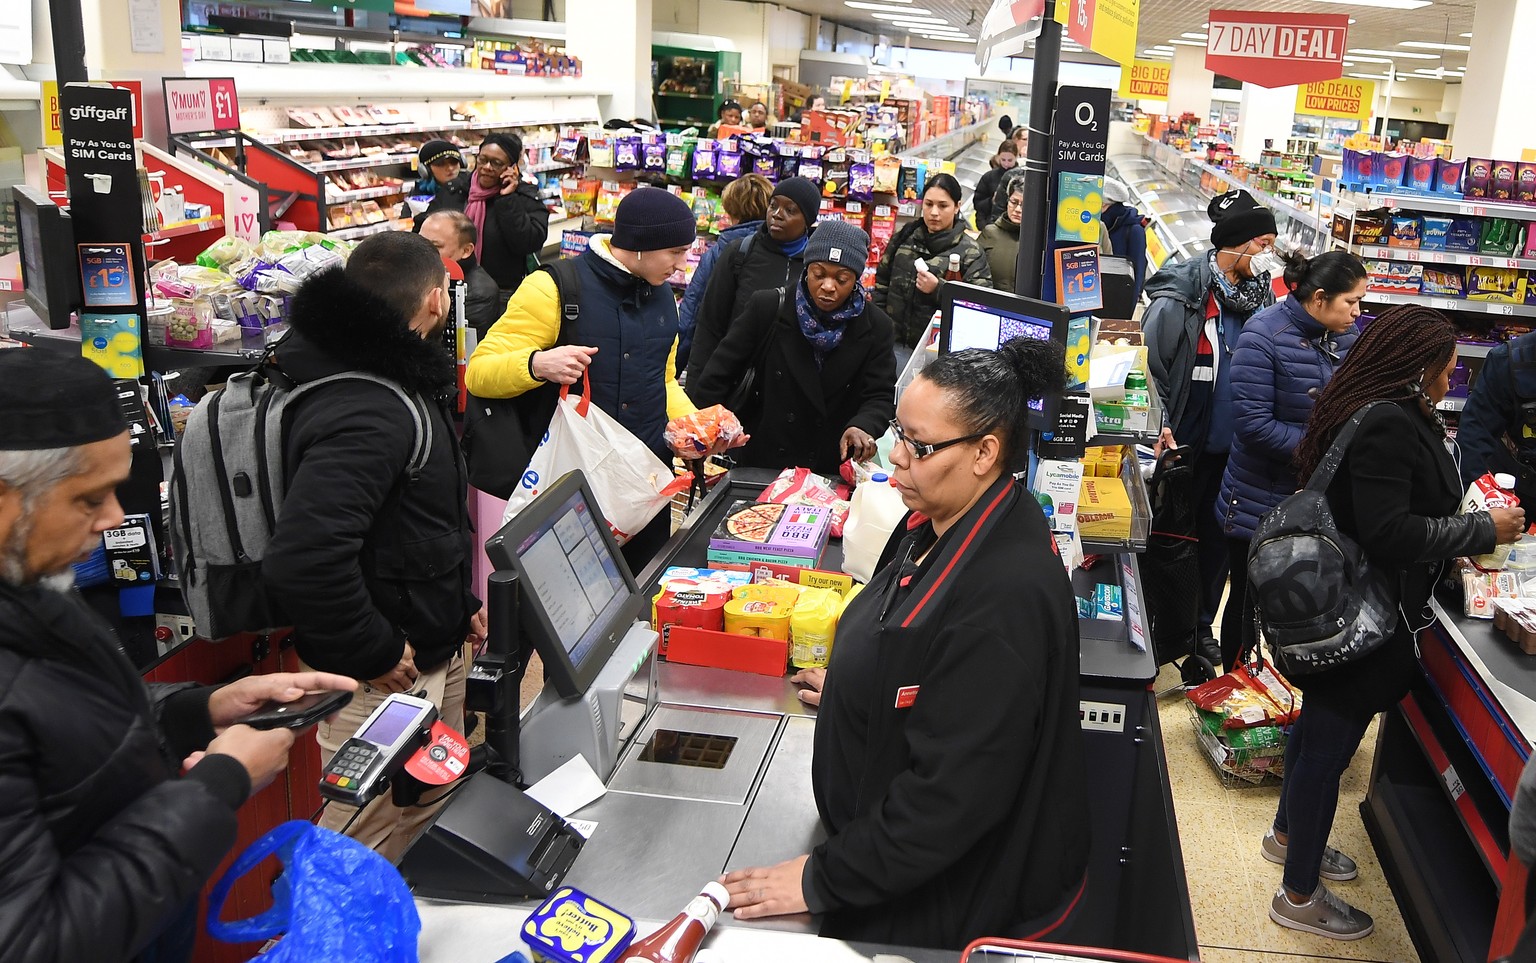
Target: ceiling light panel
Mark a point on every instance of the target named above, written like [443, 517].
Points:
[860, 5]
[1395, 54]
[1426, 45]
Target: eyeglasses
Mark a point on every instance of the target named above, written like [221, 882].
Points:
[921, 451]
[495, 164]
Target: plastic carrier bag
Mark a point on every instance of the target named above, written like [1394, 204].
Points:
[335, 900]
[631, 484]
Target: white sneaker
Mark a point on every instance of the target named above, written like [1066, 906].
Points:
[1325, 914]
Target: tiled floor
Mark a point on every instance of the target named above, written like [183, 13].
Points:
[1230, 883]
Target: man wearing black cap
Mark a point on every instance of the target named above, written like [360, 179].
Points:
[1198, 308]
[103, 847]
[769, 259]
[625, 338]
[371, 564]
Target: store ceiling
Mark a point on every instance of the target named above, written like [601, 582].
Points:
[1376, 28]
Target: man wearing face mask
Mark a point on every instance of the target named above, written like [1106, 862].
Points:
[371, 563]
[1198, 309]
[624, 339]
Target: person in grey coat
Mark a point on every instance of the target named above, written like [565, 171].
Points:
[1000, 239]
[1199, 307]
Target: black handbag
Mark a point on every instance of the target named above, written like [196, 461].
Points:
[747, 390]
[501, 434]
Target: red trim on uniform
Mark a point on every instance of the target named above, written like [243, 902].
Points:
[1081, 888]
[971, 536]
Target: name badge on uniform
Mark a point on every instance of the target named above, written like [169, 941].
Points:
[906, 696]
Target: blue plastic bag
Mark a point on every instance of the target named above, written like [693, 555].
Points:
[335, 900]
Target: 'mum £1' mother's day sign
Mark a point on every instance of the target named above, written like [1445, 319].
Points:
[1276, 49]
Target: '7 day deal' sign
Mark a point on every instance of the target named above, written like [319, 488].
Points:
[1145, 80]
[1276, 49]
[1337, 98]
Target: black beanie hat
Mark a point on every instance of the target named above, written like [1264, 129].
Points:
[1237, 219]
[435, 150]
[55, 400]
[805, 195]
[653, 219]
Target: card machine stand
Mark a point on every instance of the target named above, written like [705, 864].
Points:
[364, 765]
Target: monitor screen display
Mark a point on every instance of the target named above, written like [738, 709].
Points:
[985, 326]
[574, 576]
[390, 725]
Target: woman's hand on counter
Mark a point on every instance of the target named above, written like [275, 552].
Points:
[767, 890]
[813, 680]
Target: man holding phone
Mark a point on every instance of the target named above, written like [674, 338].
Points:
[103, 846]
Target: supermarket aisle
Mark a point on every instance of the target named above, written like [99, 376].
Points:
[1230, 884]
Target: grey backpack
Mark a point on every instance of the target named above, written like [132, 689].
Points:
[227, 489]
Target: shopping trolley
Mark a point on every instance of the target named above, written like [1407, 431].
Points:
[990, 950]
[1170, 570]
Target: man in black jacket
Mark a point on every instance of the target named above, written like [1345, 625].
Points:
[373, 566]
[453, 234]
[103, 848]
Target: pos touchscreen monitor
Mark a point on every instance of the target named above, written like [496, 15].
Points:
[977, 317]
[576, 595]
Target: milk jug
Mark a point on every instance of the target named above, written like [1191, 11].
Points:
[874, 513]
[1491, 491]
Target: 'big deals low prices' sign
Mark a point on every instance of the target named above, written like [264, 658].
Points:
[1276, 49]
[1145, 80]
[1337, 98]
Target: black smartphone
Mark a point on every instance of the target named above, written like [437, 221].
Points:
[301, 713]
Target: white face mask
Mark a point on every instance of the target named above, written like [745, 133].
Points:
[1267, 262]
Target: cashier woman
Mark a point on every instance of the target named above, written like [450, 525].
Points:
[948, 766]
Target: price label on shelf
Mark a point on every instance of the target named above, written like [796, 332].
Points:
[1475, 261]
[1475, 210]
[1508, 310]
[1410, 255]
[1444, 304]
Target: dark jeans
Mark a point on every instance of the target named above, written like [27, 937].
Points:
[1322, 743]
[1237, 628]
[1212, 555]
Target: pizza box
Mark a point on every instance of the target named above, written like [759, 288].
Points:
[771, 531]
[768, 571]
[746, 560]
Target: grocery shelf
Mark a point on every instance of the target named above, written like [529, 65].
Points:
[1472, 349]
[365, 193]
[355, 233]
[1476, 207]
[1421, 256]
[297, 134]
[1452, 404]
[184, 228]
[1455, 304]
[317, 83]
[354, 163]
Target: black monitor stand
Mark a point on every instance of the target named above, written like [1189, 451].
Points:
[496, 678]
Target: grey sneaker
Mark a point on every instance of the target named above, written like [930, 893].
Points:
[1336, 865]
[1324, 915]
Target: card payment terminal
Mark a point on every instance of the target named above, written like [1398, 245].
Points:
[362, 767]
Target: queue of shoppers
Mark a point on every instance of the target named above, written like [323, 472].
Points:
[1197, 311]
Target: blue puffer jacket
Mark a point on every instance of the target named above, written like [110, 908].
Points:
[1281, 356]
[693, 298]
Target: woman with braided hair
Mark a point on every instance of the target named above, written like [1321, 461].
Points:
[1396, 493]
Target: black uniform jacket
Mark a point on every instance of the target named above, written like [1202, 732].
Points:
[949, 759]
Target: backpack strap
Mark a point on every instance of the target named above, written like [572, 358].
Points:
[421, 418]
[1322, 476]
[568, 286]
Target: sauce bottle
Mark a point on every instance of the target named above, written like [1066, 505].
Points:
[680, 939]
[954, 273]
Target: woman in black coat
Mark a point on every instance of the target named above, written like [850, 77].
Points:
[825, 373]
[771, 258]
[949, 759]
[510, 220]
[1396, 493]
[1002, 162]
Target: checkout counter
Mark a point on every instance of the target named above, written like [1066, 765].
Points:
[1447, 762]
[664, 830]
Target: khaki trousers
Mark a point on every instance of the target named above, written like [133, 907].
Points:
[383, 826]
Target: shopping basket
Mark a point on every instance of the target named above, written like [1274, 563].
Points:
[990, 950]
[1170, 570]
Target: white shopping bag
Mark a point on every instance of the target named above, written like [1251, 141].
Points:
[631, 484]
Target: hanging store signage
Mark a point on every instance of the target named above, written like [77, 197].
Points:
[1008, 28]
[197, 105]
[1107, 27]
[1351, 99]
[101, 167]
[1145, 80]
[1079, 145]
[1276, 49]
[53, 130]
